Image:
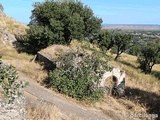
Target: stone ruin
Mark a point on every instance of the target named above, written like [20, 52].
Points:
[48, 56]
[118, 77]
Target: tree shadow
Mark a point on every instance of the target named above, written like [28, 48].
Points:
[156, 74]
[128, 64]
[149, 99]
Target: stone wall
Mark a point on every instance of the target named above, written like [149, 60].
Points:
[118, 79]
[45, 61]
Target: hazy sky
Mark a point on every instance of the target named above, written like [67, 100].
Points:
[111, 11]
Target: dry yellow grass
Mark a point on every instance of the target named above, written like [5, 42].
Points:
[22, 62]
[12, 25]
[142, 91]
[42, 112]
[138, 85]
[136, 78]
[1, 89]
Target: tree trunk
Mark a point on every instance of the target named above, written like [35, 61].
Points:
[116, 57]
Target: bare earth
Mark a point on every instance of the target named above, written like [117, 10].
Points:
[69, 109]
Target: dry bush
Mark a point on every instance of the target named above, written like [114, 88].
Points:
[42, 112]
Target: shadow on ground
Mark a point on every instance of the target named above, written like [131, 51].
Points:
[156, 74]
[128, 64]
[149, 99]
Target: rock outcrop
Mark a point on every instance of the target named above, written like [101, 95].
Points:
[7, 38]
[15, 111]
[9, 28]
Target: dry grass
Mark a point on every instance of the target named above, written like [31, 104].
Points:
[139, 87]
[23, 62]
[142, 91]
[136, 78]
[42, 112]
[12, 25]
[1, 89]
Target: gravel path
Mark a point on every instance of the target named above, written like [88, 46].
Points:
[67, 107]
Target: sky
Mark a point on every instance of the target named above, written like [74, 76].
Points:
[111, 11]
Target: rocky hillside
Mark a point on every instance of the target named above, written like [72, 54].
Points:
[142, 91]
[9, 28]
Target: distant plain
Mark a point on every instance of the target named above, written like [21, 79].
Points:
[132, 27]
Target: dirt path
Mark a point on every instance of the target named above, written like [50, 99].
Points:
[67, 107]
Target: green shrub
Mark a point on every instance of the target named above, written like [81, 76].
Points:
[77, 74]
[8, 81]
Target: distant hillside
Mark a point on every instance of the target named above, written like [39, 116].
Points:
[145, 27]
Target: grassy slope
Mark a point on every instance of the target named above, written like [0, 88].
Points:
[11, 25]
[142, 91]
[22, 62]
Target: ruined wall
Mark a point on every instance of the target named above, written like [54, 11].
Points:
[118, 79]
[45, 61]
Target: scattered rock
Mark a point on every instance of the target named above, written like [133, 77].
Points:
[15, 111]
[7, 38]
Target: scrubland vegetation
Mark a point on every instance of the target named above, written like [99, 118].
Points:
[142, 93]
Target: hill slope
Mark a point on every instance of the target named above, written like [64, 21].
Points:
[142, 91]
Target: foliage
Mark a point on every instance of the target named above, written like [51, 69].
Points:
[121, 43]
[141, 38]
[77, 74]
[105, 40]
[8, 81]
[58, 22]
[1, 8]
[134, 49]
[150, 55]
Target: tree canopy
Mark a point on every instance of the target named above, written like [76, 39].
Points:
[150, 55]
[58, 22]
[105, 39]
[117, 41]
[121, 42]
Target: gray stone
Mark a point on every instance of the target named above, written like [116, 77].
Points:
[15, 111]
